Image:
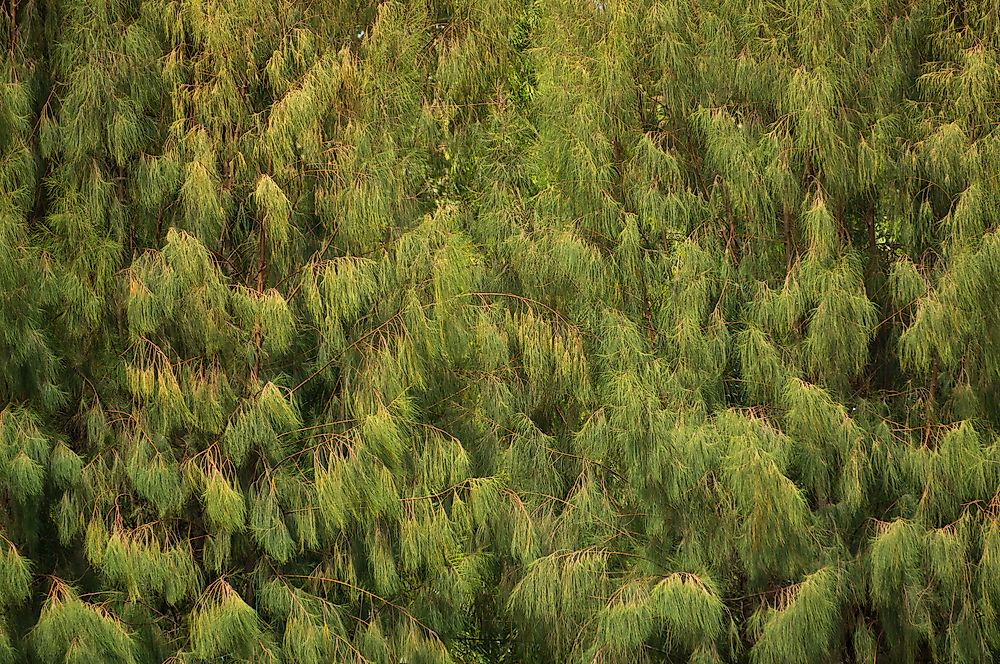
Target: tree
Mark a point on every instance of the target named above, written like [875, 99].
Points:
[455, 331]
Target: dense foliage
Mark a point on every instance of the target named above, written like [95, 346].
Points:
[499, 331]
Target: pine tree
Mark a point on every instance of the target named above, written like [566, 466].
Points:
[499, 331]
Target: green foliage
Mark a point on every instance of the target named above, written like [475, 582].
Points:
[498, 331]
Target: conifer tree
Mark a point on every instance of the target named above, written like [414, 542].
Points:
[499, 331]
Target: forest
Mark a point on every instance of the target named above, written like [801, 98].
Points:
[499, 331]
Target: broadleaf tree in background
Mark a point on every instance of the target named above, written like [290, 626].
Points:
[499, 331]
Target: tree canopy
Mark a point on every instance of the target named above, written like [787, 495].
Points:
[467, 331]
